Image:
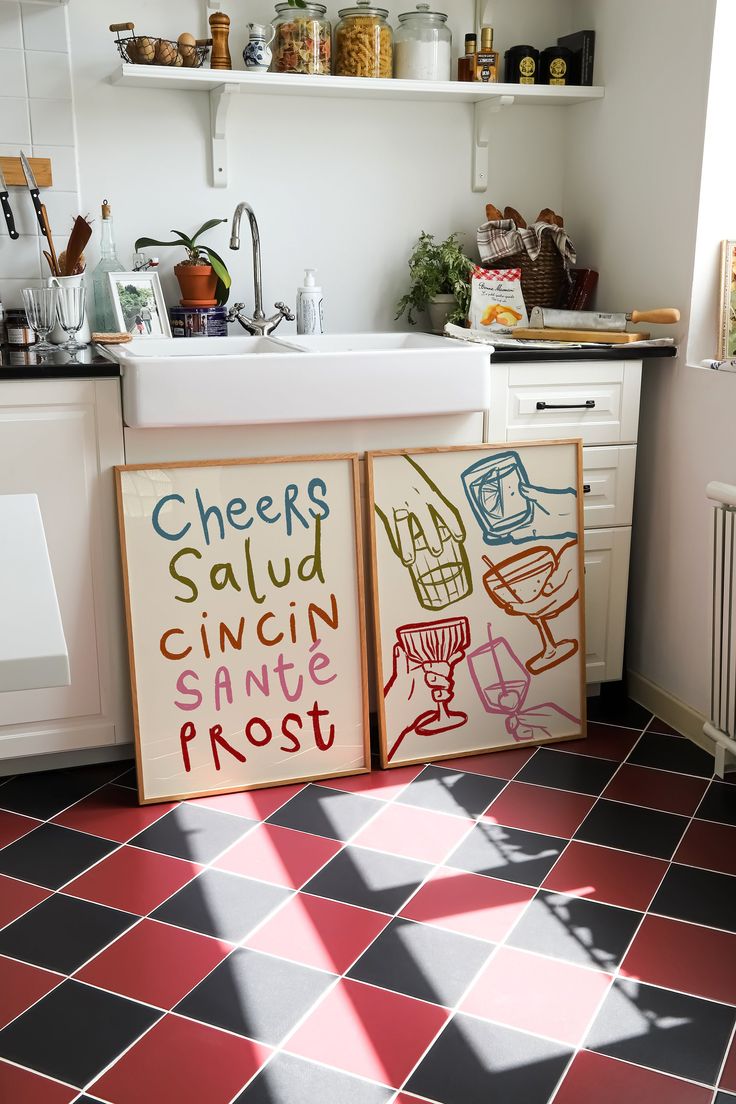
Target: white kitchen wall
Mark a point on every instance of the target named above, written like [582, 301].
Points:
[633, 180]
[37, 116]
[342, 186]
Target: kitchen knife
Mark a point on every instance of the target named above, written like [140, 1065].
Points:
[545, 319]
[33, 189]
[5, 204]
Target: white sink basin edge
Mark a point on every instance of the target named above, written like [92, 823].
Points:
[277, 380]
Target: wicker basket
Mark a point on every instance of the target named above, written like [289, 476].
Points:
[541, 280]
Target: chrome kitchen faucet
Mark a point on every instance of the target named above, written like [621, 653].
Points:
[258, 325]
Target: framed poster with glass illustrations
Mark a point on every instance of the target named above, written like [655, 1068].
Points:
[478, 590]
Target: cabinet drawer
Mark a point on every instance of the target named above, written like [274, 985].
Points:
[598, 402]
[608, 483]
[607, 554]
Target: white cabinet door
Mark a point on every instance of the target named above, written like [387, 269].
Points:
[59, 440]
[607, 553]
[608, 486]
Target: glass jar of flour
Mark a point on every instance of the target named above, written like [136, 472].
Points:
[423, 46]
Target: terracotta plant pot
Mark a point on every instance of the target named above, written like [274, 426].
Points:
[198, 285]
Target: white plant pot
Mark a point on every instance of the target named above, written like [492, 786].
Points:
[440, 308]
[57, 335]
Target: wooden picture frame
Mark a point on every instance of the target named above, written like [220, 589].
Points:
[727, 302]
[466, 620]
[289, 510]
[149, 320]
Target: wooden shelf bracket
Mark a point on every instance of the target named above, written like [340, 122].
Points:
[220, 100]
[484, 113]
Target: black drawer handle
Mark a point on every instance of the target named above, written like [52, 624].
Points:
[588, 405]
[587, 488]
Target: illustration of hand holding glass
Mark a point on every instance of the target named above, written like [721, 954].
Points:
[509, 508]
[434, 648]
[539, 584]
[427, 534]
[502, 684]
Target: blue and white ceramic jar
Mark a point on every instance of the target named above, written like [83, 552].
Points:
[257, 53]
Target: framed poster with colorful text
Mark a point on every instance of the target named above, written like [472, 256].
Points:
[245, 608]
[478, 598]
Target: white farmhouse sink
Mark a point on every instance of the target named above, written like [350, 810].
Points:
[255, 381]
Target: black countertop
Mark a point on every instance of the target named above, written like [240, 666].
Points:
[617, 352]
[24, 364]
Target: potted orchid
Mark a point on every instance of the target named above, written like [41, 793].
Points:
[203, 276]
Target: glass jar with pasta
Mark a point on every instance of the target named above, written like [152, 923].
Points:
[364, 42]
[302, 40]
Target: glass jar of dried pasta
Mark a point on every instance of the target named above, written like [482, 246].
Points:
[302, 40]
[364, 42]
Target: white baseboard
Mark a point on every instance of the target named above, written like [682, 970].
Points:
[59, 760]
[683, 718]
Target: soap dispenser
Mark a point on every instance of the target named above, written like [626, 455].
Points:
[309, 317]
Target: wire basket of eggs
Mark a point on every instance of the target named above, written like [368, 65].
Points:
[186, 51]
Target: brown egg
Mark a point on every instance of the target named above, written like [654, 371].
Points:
[145, 49]
[188, 49]
[166, 52]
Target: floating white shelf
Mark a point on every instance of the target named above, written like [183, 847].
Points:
[222, 85]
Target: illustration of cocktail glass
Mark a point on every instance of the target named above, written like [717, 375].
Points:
[522, 578]
[437, 648]
[493, 489]
[500, 679]
[438, 581]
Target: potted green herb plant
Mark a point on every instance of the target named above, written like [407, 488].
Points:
[203, 277]
[440, 282]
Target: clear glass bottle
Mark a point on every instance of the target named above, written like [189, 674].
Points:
[364, 42]
[423, 46]
[303, 40]
[105, 321]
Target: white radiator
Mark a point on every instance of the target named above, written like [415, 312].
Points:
[721, 728]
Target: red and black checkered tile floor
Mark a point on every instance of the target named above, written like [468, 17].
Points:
[533, 926]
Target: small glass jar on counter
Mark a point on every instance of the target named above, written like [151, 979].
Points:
[19, 334]
[423, 46]
[364, 42]
[302, 41]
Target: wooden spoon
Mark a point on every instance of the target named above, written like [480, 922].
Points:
[53, 263]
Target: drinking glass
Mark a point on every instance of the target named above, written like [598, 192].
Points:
[40, 305]
[70, 312]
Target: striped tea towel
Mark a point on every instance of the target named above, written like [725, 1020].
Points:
[503, 238]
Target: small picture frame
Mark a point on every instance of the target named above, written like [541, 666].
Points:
[727, 321]
[139, 304]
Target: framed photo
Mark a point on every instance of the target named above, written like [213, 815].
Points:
[139, 304]
[727, 323]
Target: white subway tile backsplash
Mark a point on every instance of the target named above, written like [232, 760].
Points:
[62, 208]
[49, 76]
[11, 35]
[44, 28]
[63, 165]
[12, 73]
[19, 259]
[14, 114]
[52, 122]
[11, 290]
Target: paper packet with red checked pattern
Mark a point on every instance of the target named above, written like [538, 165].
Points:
[496, 300]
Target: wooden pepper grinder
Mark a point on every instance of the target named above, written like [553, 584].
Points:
[220, 26]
